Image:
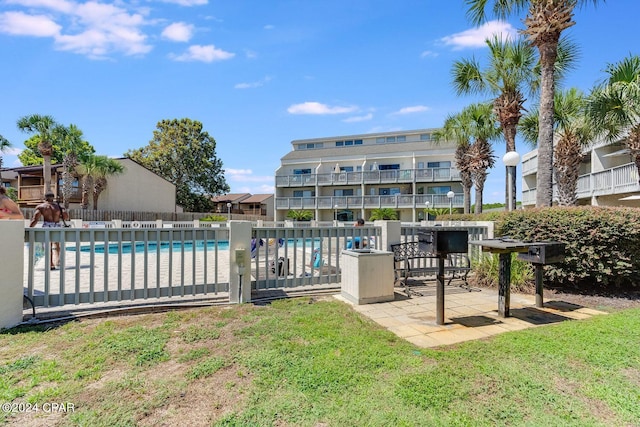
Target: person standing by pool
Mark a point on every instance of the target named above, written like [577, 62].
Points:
[51, 214]
[8, 208]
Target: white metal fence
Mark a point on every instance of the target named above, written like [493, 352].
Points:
[103, 263]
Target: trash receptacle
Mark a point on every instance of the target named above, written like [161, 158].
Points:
[367, 276]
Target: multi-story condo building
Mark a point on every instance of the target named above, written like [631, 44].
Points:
[608, 177]
[346, 177]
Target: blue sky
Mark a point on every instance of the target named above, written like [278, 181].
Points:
[260, 73]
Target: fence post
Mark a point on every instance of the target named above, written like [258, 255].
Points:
[158, 223]
[196, 223]
[239, 268]
[11, 279]
[390, 234]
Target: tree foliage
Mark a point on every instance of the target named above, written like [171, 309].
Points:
[182, 153]
[30, 156]
[383, 213]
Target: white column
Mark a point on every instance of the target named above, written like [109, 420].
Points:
[390, 234]
[11, 279]
[239, 261]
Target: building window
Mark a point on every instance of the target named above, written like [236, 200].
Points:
[401, 139]
[304, 193]
[357, 142]
[345, 192]
[301, 171]
[348, 142]
[388, 167]
[439, 164]
[391, 139]
[420, 165]
[438, 190]
[339, 143]
[388, 191]
[425, 137]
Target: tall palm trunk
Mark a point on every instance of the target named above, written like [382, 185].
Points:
[462, 163]
[567, 169]
[544, 184]
[483, 160]
[69, 162]
[46, 150]
[87, 186]
[99, 185]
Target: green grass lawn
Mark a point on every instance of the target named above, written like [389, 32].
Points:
[302, 362]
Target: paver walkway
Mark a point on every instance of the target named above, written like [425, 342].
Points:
[468, 315]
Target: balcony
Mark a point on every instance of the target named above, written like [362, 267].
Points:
[370, 177]
[619, 180]
[398, 201]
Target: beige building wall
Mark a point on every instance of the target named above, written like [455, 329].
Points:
[138, 189]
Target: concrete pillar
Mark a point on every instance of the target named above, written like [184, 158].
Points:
[117, 223]
[239, 261]
[390, 234]
[196, 223]
[12, 278]
[158, 223]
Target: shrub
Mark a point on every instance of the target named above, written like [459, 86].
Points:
[214, 218]
[300, 215]
[383, 213]
[601, 243]
[486, 273]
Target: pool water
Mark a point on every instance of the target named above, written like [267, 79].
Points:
[176, 246]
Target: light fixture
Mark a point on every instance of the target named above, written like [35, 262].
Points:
[335, 212]
[511, 160]
[451, 195]
[229, 210]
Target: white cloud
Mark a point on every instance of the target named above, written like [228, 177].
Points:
[253, 84]
[318, 109]
[178, 32]
[247, 176]
[358, 118]
[429, 54]
[476, 37]
[208, 53]
[187, 3]
[20, 24]
[90, 28]
[411, 110]
[12, 151]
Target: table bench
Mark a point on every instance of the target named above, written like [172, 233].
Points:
[409, 260]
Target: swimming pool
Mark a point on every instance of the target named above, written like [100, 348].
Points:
[176, 246]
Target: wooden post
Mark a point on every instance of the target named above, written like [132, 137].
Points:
[504, 281]
[539, 273]
[440, 292]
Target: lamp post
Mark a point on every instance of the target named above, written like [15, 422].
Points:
[228, 211]
[511, 160]
[426, 210]
[451, 195]
[335, 212]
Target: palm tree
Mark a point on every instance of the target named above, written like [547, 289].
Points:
[71, 143]
[545, 22]
[483, 129]
[456, 129]
[46, 128]
[95, 170]
[4, 144]
[573, 132]
[509, 74]
[614, 105]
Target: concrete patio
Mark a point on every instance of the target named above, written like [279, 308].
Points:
[469, 315]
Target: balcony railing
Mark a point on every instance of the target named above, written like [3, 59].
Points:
[398, 201]
[370, 177]
[618, 180]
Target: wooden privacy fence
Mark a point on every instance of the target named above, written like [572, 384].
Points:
[102, 215]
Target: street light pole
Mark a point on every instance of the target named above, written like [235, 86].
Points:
[511, 160]
[451, 195]
[426, 210]
[228, 211]
[335, 212]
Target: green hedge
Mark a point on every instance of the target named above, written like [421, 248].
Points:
[602, 244]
